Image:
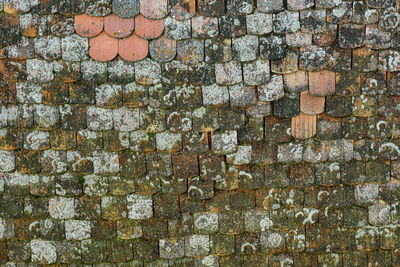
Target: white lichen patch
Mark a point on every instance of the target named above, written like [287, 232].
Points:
[139, 206]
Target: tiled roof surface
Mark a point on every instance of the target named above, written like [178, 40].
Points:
[199, 133]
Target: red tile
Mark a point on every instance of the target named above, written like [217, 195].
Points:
[133, 48]
[163, 49]
[117, 27]
[321, 83]
[311, 105]
[154, 9]
[148, 29]
[103, 47]
[183, 9]
[304, 126]
[88, 26]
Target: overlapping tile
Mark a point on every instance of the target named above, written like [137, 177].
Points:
[205, 133]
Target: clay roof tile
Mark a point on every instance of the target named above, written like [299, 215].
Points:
[321, 83]
[148, 29]
[304, 126]
[103, 47]
[117, 27]
[87, 26]
[133, 48]
[311, 105]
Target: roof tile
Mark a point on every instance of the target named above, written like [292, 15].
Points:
[299, 4]
[190, 51]
[163, 49]
[204, 27]
[10, 28]
[87, 26]
[154, 9]
[321, 83]
[211, 7]
[311, 105]
[117, 27]
[296, 82]
[304, 126]
[28, 25]
[126, 8]
[183, 9]
[133, 48]
[148, 29]
[103, 47]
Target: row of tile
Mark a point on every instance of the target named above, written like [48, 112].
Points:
[181, 9]
[251, 251]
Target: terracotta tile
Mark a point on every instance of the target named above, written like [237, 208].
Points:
[311, 105]
[163, 49]
[88, 26]
[183, 9]
[117, 27]
[103, 47]
[304, 126]
[154, 9]
[321, 83]
[296, 82]
[148, 29]
[133, 48]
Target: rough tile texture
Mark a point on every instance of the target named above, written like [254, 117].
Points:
[199, 133]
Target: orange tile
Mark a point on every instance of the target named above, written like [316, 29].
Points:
[88, 26]
[117, 27]
[154, 9]
[103, 47]
[183, 9]
[304, 126]
[163, 49]
[296, 81]
[147, 28]
[133, 48]
[311, 105]
[321, 83]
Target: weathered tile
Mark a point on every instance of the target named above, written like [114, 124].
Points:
[74, 48]
[176, 29]
[143, 75]
[312, 58]
[190, 51]
[272, 90]
[39, 70]
[182, 9]
[154, 9]
[228, 73]
[270, 6]
[351, 36]
[215, 95]
[286, 22]
[162, 49]
[126, 9]
[211, 8]
[232, 25]
[218, 49]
